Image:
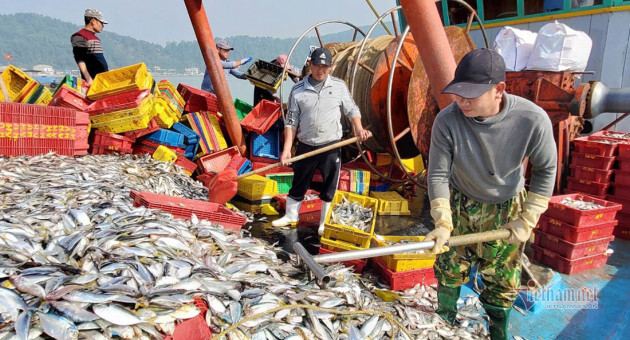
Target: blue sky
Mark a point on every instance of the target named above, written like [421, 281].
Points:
[161, 21]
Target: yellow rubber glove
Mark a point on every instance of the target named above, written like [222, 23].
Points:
[443, 218]
[522, 227]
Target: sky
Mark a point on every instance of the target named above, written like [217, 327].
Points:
[162, 21]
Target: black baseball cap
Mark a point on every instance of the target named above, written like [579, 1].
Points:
[477, 73]
[321, 56]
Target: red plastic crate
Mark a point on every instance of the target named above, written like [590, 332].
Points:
[118, 102]
[218, 161]
[106, 149]
[608, 134]
[205, 178]
[198, 100]
[403, 280]
[567, 192]
[571, 250]
[592, 161]
[623, 150]
[623, 163]
[152, 146]
[623, 218]
[566, 266]
[262, 117]
[357, 265]
[194, 328]
[307, 205]
[587, 187]
[153, 126]
[591, 174]
[258, 165]
[33, 130]
[185, 163]
[582, 218]
[575, 234]
[595, 145]
[622, 191]
[113, 140]
[184, 208]
[67, 97]
[624, 202]
[622, 231]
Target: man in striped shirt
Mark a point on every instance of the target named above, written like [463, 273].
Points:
[87, 48]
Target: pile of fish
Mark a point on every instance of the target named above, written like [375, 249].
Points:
[77, 260]
[580, 204]
[619, 135]
[352, 214]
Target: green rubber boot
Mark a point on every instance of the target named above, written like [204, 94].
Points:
[447, 302]
[499, 320]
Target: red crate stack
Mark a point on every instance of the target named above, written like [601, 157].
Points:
[106, 143]
[572, 240]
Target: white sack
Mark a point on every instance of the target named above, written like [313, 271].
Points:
[560, 48]
[515, 46]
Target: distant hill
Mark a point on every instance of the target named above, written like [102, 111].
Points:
[36, 39]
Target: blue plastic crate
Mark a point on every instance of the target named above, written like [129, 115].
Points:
[190, 136]
[246, 167]
[166, 137]
[267, 145]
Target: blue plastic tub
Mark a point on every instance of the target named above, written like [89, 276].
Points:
[267, 145]
[167, 137]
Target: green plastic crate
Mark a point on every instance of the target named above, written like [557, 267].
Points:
[242, 108]
[284, 180]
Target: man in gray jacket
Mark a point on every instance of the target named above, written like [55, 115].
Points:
[476, 183]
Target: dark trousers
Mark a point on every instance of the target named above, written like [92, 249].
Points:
[329, 163]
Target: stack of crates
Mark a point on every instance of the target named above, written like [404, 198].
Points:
[391, 203]
[20, 87]
[191, 139]
[573, 234]
[206, 125]
[404, 271]
[351, 180]
[338, 237]
[255, 194]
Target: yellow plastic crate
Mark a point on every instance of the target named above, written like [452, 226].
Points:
[217, 131]
[337, 245]
[257, 187]
[125, 120]
[129, 78]
[347, 233]
[415, 164]
[165, 115]
[391, 203]
[264, 208]
[44, 98]
[19, 85]
[164, 154]
[405, 261]
[170, 92]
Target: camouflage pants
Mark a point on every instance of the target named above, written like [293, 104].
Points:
[498, 262]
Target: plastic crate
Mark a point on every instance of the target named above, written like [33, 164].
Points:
[217, 161]
[119, 102]
[167, 137]
[194, 328]
[623, 218]
[184, 208]
[622, 231]
[592, 161]
[191, 139]
[307, 206]
[256, 187]
[165, 112]
[622, 136]
[582, 218]
[151, 127]
[622, 177]
[404, 261]
[623, 149]
[566, 266]
[164, 154]
[33, 130]
[262, 117]
[337, 245]
[571, 250]
[256, 207]
[591, 174]
[404, 280]
[623, 164]
[240, 164]
[149, 145]
[18, 84]
[587, 187]
[267, 145]
[104, 142]
[39, 89]
[357, 265]
[623, 202]
[186, 164]
[45, 98]
[68, 97]
[137, 118]
[596, 146]
[284, 180]
[125, 79]
[366, 201]
[242, 108]
[198, 100]
[278, 169]
[391, 203]
[168, 90]
[575, 234]
[264, 75]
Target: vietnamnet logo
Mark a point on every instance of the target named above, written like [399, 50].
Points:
[564, 298]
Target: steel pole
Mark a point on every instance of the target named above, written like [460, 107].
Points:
[211, 58]
[315, 268]
[433, 46]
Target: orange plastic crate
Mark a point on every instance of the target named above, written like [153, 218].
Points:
[262, 117]
[217, 161]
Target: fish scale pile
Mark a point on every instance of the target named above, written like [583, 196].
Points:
[77, 260]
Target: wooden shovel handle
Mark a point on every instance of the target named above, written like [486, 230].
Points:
[301, 157]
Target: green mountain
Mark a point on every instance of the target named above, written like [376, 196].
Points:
[36, 39]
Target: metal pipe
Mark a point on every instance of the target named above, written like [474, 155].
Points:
[200, 24]
[454, 241]
[430, 38]
[604, 99]
[315, 268]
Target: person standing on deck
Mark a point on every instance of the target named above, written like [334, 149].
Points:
[476, 183]
[314, 116]
[229, 67]
[87, 48]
